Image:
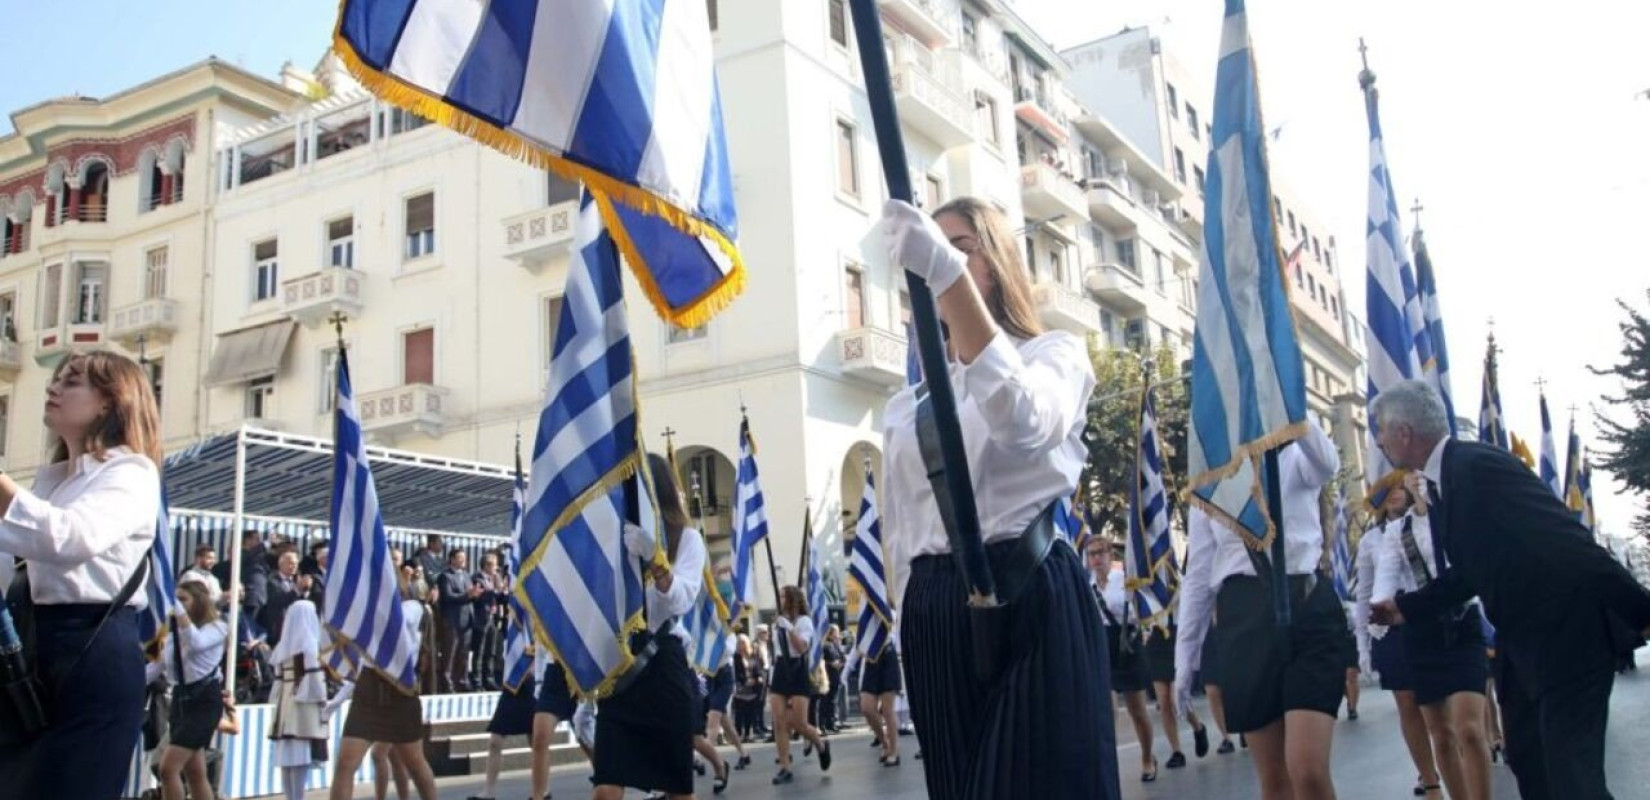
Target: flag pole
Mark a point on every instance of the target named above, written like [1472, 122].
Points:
[767, 541]
[925, 317]
[807, 538]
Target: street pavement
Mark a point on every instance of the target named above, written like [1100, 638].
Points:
[1369, 763]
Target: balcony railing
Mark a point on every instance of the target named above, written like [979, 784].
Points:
[155, 319]
[409, 408]
[537, 237]
[1047, 192]
[312, 299]
[1065, 308]
[872, 354]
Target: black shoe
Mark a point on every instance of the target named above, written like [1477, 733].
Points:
[1148, 776]
[893, 763]
[876, 743]
[1176, 761]
[1244, 741]
[768, 740]
[744, 761]
[784, 776]
[721, 784]
[808, 750]
[1352, 715]
[825, 757]
[1420, 787]
[698, 767]
[1200, 741]
[1226, 747]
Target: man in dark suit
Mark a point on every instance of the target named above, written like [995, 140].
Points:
[1563, 609]
[286, 586]
[255, 572]
[456, 604]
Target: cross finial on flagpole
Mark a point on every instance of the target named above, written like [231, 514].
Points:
[1366, 77]
[1417, 208]
[1541, 384]
[338, 319]
[670, 436]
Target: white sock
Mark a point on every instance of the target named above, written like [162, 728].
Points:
[293, 782]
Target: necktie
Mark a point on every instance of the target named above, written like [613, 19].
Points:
[1436, 516]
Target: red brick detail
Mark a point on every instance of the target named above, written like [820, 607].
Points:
[124, 152]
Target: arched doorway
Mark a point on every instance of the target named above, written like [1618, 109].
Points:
[709, 481]
[861, 458]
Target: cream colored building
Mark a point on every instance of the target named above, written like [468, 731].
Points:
[106, 209]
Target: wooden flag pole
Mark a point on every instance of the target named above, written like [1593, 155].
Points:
[873, 59]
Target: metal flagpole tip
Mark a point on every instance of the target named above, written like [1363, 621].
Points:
[338, 319]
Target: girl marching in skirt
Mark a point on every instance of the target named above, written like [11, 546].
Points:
[299, 727]
[1123, 646]
[195, 660]
[512, 716]
[792, 684]
[644, 734]
[1021, 396]
[879, 688]
[1160, 647]
[383, 712]
[1447, 655]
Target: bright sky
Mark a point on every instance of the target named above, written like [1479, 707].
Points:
[1519, 132]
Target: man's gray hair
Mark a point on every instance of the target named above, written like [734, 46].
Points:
[1412, 403]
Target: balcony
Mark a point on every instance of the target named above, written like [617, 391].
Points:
[535, 238]
[1110, 204]
[1034, 109]
[312, 299]
[1048, 193]
[1189, 218]
[1065, 308]
[1118, 285]
[412, 408]
[933, 104]
[873, 355]
[153, 320]
[921, 18]
[11, 359]
[54, 343]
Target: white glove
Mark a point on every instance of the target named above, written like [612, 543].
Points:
[782, 623]
[639, 542]
[1183, 693]
[916, 243]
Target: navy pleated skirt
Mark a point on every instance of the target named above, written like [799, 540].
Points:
[1446, 656]
[644, 735]
[1386, 655]
[1041, 730]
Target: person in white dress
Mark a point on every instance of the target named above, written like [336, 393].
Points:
[300, 698]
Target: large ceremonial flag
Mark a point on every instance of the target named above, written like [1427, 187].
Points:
[1576, 490]
[618, 94]
[818, 603]
[1436, 369]
[582, 587]
[865, 567]
[1151, 573]
[1492, 425]
[518, 635]
[750, 524]
[161, 587]
[707, 629]
[1397, 336]
[1341, 552]
[1248, 383]
[1549, 455]
[363, 597]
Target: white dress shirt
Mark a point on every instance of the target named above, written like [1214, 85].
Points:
[1215, 552]
[1434, 469]
[202, 649]
[1393, 572]
[803, 627]
[687, 578]
[1369, 553]
[1113, 595]
[1021, 407]
[85, 527]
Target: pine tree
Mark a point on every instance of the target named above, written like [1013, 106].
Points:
[1113, 419]
[1627, 451]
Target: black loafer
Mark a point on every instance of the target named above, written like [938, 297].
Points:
[1200, 741]
[1226, 747]
[784, 776]
[825, 757]
[1176, 761]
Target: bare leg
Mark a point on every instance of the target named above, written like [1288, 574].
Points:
[869, 705]
[1166, 710]
[720, 721]
[412, 755]
[195, 772]
[495, 753]
[606, 792]
[1416, 739]
[1492, 714]
[1308, 738]
[1135, 702]
[544, 727]
[800, 723]
[398, 770]
[703, 746]
[1445, 750]
[1217, 708]
[1267, 746]
[1352, 690]
[381, 771]
[890, 724]
[350, 752]
[1466, 716]
[171, 771]
[781, 729]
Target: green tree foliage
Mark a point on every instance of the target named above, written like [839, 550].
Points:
[1113, 432]
[1627, 451]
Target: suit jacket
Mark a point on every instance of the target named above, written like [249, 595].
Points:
[281, 597]
[457, 608]
[1562, 607]
[255, 574]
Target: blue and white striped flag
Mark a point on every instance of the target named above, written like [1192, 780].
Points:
[161, 588]
[1492, 425]
[1152, 575]
[913, 361]
[1549, 454]
[750, 524]
[708, 631]
[363, 598]
[583, 589]
[618, 94]
[818, 603]
[1435, 370]
[1341, 554]
[518, 658]
[1248, 383]
[1397, 340]
[866, 568]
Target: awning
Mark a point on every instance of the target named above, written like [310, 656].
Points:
[290, 476]
[250, 353]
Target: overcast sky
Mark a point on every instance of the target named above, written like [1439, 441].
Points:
[1520, 133]
[1515, 124]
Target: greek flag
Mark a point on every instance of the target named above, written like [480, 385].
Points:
[161, 588]
[707, 630]
[1148, 559]
[1549, 455]
[865, 567]
[584, 591]
[363, 599]
[1397, 336]
[818, 603]
[1248, 384]
[1576, 490]
[1436, 370]
[1341, 554]
[874, 633]
[618, 94]
[750, 524]
[1492, 426]
[913, 363]
[1068, 519]
[518, 662]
